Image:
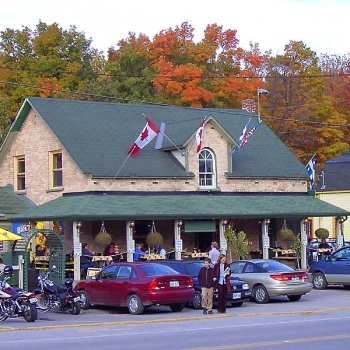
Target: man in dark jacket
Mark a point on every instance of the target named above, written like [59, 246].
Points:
[206, 279]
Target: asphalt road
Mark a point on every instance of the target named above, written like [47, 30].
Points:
[320, 320]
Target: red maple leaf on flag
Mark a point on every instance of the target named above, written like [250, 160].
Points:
[144, 134]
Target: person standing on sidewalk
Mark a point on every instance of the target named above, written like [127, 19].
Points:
[206, 279]
[223, 285]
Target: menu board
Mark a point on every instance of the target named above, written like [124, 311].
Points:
[20, 246]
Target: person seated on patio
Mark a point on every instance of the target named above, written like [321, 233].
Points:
[39, 250]
[86, 257]
[160, 250]
[113, 250]
[138, 252]
[109, 250]
[324, 244]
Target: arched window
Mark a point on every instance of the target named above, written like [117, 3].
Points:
[207, 177]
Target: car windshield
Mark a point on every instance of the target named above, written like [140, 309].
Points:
[274, 266]
[157, 270]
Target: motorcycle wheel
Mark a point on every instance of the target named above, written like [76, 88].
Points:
[43, 301]
[3, 318]
[75, 308]
[30, 313]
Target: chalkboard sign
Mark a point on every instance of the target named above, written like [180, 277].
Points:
[20, 245]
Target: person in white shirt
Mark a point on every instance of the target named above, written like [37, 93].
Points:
[214, 253]
[2, 265]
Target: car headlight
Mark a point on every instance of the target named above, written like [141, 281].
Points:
[245, 286]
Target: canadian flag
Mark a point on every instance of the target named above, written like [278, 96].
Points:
[149, 132]
[199, 136]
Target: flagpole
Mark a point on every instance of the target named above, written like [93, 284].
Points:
[183, 153]
[302, 172]
[122, 165]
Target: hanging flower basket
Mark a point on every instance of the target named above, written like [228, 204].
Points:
[153, 239]
[286, 234]
[102, 239]
[322, 233]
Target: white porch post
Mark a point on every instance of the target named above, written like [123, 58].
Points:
[20, 271]
[178, 241]
[303, 234]
[339, 231]
[77, 249]
[222, 240]
[130, 243]
[265, 238]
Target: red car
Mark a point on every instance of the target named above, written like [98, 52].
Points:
[137, 286]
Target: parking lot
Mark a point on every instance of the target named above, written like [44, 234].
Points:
[316, 302]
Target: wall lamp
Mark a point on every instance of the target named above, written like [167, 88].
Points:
[224, 222]
[179, 223]
[78, 227]
[132, 224]
[343, 219]
[267, 222]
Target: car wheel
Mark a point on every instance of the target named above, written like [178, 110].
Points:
[294, 297]
[319, 281]
[237, 304]
[177, 307]
[261, 295]
[197, 300]
[84, 300]
[135, 305]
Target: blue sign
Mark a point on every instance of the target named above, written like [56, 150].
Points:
[20, 228]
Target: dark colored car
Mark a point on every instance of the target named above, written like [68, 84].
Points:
[334, 269]
[137, 285]
[240, 289]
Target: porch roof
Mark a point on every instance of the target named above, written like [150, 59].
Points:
[151, 205]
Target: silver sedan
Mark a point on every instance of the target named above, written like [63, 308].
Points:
[269, 278]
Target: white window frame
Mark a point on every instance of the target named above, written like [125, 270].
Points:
[203, 156]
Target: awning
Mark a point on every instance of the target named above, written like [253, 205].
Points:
[175, 206]
[8, 236]
[199, 226]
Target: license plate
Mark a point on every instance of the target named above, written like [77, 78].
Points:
[174, 283]
[33, 300]
[295, 280]
[76, 299]
[236, 295]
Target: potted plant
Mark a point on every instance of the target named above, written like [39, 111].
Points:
[322, 233]
[240, 245]
[286, 234]
[154, 239]
[238, 242]
[102, 239]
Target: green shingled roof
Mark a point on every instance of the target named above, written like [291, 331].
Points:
[151, 206]
[97, 136]
[12, 203]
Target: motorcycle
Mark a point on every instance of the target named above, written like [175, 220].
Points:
[15, 302]
[57, 296]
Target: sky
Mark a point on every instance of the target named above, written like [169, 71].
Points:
[321, 24]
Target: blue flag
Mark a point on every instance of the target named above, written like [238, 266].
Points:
[311, 169]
